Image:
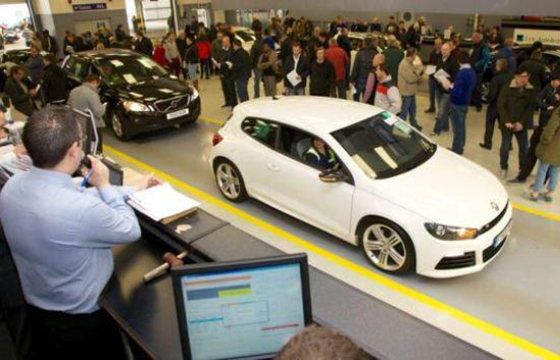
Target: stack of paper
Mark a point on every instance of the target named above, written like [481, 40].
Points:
[162, 203]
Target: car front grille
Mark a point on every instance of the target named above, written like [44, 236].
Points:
[173, 104]
[492, 251]
[457, 262]
[494, 222]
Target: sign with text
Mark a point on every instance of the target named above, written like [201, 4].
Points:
[89, 7]
[529, 36]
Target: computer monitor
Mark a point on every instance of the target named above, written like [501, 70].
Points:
[241, 310]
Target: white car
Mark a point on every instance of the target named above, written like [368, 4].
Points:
[406, 202]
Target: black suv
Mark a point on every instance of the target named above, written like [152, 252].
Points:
[141, 95]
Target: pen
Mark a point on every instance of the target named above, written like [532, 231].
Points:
[86, 178]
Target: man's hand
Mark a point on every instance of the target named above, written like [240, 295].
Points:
[509, 126]
[100, 174]
[33, 92]
[550, 108]
[517, 127]
[148, 182]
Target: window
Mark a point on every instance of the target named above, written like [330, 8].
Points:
[124, 70]
[77, 67]
[384, 146]
[261, 130]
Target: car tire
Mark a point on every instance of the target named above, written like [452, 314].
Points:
[230, 181]
[387, 246]
[119, 125]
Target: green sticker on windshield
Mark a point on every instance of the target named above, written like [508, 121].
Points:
[403, 127]
[385, 114]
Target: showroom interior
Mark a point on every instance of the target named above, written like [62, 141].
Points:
[215, 204]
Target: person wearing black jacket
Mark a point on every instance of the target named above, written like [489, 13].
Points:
[223, 62]
[53, 84]
[362, 67]
[20, 91]
[448, 64]
[297, 62]
[256, 51]
[49, 43]
[240, 70]
[143, 44]
[119, 33]
[344, 43]
[548, 99]
[322, 75]
[499, 80]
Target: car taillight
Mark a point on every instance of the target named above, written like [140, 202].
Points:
[216, 139]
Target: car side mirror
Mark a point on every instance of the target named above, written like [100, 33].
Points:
[333, 176]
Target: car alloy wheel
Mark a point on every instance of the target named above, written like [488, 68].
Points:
[230, 181]
[387, 246]
[119, 127]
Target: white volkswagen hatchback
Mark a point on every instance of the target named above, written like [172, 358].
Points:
[406, 202]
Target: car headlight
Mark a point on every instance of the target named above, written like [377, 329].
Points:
[444, 232]
[194, 94]
[135, 107]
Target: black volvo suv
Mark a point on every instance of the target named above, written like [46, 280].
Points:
[141, 95]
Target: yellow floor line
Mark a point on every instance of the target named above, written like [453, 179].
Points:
[516, 206]
[365, 272]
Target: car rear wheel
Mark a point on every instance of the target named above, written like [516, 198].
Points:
[387, 246]
[119, 125]
[230, 182]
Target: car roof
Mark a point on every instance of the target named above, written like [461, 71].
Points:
[107, 53]
[552, 52]
[309, 113]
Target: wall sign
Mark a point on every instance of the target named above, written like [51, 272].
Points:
[529, 36]
[89, 7]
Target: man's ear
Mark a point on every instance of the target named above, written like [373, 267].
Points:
[75, 151]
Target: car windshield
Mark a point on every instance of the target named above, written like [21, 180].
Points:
[244, 35]
[124, 70]
[384, 146]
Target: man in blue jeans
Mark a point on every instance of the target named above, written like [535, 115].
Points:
[460, 97]
[515, 107]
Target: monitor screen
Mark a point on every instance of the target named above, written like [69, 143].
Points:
[245, 311]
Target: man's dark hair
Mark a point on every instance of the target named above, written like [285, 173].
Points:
[296, 44]
[15, 69]
[522, 70]
[49, 133]
[537, 54]
[384, 68]
[316, 342]
[463, 57]
[92, 78]
[555, 75]
[50, 58]
[411, 52]
[46, 33]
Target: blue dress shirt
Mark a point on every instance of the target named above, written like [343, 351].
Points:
[61, 236]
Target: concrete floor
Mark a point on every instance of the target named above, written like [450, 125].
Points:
[518, 292]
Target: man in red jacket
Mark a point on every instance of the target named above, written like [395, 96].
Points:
[338, 57]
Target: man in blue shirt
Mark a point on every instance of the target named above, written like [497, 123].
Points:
[60, 237]
[460, 97]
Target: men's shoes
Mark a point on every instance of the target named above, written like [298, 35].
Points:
[478, 108]
[433, 133]
[419, 128]
[225, 106]
[516, 181]
[484, 146]
[430, 111]
[504, 174]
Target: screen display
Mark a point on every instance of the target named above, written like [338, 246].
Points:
[242, 313]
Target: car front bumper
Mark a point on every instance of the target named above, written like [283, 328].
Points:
[146, 122]
[446, 259]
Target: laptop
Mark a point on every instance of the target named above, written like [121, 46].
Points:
[241, 310]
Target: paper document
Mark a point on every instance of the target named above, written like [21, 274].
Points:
[161, 202]
[430, 69]
[293, 78]
[442, 75]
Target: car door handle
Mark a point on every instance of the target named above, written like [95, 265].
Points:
[272, 167]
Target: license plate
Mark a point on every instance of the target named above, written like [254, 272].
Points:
[177, 114]
[502, 236]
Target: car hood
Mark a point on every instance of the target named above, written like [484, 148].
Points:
[447, 189]
[149, 91]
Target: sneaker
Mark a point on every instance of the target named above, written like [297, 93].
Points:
[533, 196]
[504, 174]
[430, 111]
[419, 128]
[484, 146]
[548, 197]
[433, 133]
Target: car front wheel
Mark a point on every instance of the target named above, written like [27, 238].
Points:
[387, 246]
[230, 182]
[119, 125]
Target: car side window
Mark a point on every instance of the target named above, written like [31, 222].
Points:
[261, 130]
[77, 67]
